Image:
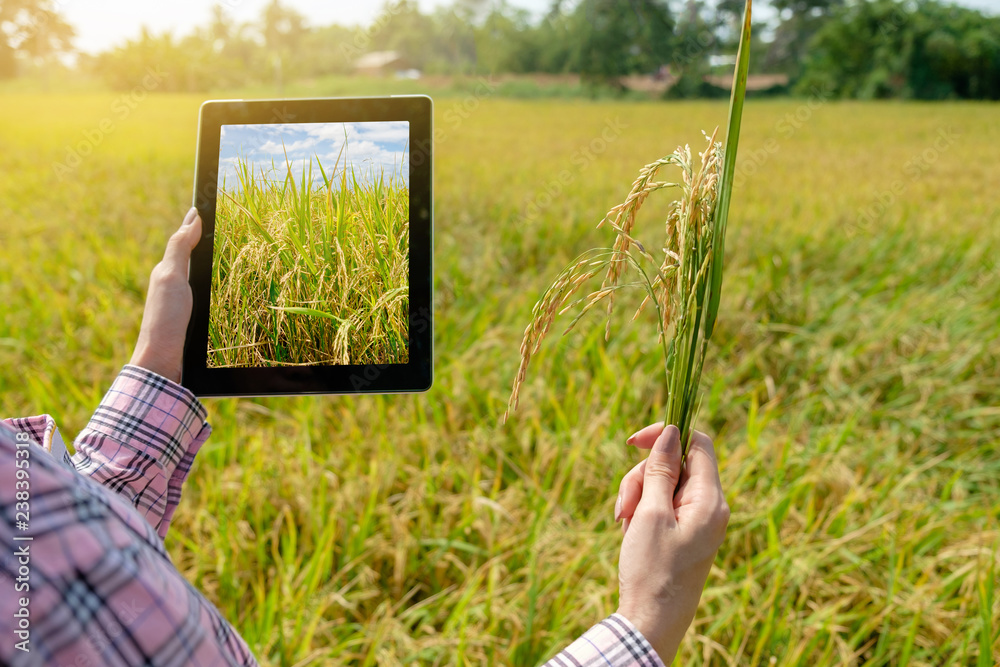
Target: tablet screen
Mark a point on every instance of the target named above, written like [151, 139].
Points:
[311, 256]
[314, 272]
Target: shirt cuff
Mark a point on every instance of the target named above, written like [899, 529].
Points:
[43, 432]
[614, 642]
[142, 440]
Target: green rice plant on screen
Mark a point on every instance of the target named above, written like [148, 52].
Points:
[685, 284]
[310, 269]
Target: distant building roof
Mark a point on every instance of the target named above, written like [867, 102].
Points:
[377, 59]
[754, 81]
[660, 82]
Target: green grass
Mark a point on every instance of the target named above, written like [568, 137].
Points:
[310, 275]
[852, 389]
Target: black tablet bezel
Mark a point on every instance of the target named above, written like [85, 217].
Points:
[414, 376]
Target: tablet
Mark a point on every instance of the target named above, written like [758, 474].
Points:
[313, 274]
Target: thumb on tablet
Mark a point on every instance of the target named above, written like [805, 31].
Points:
[183, 241]
[165, 317]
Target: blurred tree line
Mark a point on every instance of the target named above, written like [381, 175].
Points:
[32, 33]
[924, 49]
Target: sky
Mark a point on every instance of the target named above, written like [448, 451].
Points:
[371, 147]
[119, 20]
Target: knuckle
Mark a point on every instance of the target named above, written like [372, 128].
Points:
[718, 522]
[704, 443]
[180, 240]
[663, 472]
[175, 241]
[658, 513]
[722, 514]
[164, 273]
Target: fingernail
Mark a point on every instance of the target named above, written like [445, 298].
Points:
[618, 508]
[669, 440]
[191, 215]
[674, 443]
[631, 439]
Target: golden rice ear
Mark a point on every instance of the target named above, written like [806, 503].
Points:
[566, 284]
[685, 287]
[661, 289]
[622, 219]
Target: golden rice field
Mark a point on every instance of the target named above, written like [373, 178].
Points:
[853, 387]
[305, 274]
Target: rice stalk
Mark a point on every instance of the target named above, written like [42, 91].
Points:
[685, 285]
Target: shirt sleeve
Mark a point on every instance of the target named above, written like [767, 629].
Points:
[85, 580]
[614, 642]
[141, 442]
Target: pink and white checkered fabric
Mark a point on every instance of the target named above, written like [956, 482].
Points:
[89, 554]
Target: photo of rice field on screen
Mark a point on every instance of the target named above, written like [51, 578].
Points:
[310, 262]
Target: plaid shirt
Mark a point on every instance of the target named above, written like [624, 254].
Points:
[84, 576]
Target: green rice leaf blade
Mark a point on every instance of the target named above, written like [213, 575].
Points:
[728, 170]
[306, 257]
[298, 310]
[252, 218]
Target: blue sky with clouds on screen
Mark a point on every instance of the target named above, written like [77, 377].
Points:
[372, 148]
